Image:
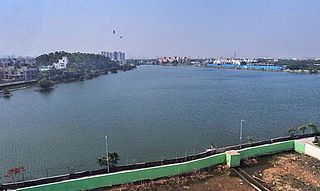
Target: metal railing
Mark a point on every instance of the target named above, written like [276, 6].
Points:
[81, 174]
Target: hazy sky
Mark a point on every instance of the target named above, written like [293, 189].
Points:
[150, 28]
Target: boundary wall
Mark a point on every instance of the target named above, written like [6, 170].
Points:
[230, 157]
[131, 175]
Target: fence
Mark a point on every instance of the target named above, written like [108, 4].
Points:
[151, 170]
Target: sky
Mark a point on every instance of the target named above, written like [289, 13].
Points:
[155, 28]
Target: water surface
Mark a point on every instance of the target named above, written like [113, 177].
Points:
[150, 113]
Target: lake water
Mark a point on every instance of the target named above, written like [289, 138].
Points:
[150, 113]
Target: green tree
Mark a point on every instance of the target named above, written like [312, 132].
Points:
[250, 139]
[316, 141]
[6, 93]
[302, 128]
[291, 131]
[313, 127]
[212, 146]
[113, 159]
[45, 83]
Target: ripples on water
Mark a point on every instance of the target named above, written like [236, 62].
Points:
[149, 113]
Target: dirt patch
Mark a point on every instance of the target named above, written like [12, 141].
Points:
[217, 179]
[284, 172]
[287, 171]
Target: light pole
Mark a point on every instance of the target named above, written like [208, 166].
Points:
[107, 153]
[241, 131]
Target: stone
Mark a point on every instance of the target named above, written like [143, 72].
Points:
[186, 187]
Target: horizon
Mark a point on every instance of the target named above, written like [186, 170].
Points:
[152, 29]
[146, 58]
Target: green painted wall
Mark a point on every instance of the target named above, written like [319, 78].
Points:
[163, 171]
[233, 159]
[131, 176]
[299, 146]
[266, 149]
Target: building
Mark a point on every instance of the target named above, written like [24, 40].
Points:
[13, 73]
[1, 73]
[62, 63]
[18, 68]
[173, 59]
[122, 56]
[116, 56]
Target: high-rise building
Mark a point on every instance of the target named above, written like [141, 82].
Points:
[122, 57]
[116, 56]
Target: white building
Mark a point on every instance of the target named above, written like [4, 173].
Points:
[170, 59]
[62, 63]
[227, 61]
[116, 56]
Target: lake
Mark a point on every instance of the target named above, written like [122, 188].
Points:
[150, 113]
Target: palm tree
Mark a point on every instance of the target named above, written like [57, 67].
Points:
[314, 130]
[302, 128]
[212, 146]
[112, 159]
[291, 131]
[313, 127]
[250, 139]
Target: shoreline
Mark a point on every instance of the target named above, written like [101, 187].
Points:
[275, 145]
[29, 84]
[258, 70]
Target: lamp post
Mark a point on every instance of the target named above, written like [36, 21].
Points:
[107, 153]
[241, 131]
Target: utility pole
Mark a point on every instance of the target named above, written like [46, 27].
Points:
[241, 131]
[107, 153]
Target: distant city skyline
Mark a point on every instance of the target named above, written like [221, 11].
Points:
[154, 28]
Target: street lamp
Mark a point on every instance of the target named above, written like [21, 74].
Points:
[107, 153]
[241, 131]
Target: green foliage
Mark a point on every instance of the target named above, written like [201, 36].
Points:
[291, 131]
[112, 157]
[312, 65]
[6, 91]
[81, 66]
[302, 128]
[250, 139]
[96, 60]
[316, 141]
[212, 146]
[313, 127]
[45, 83]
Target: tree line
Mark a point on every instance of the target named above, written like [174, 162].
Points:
[313, 66]
[81, 66]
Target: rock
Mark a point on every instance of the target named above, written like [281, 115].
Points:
[186, 187]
